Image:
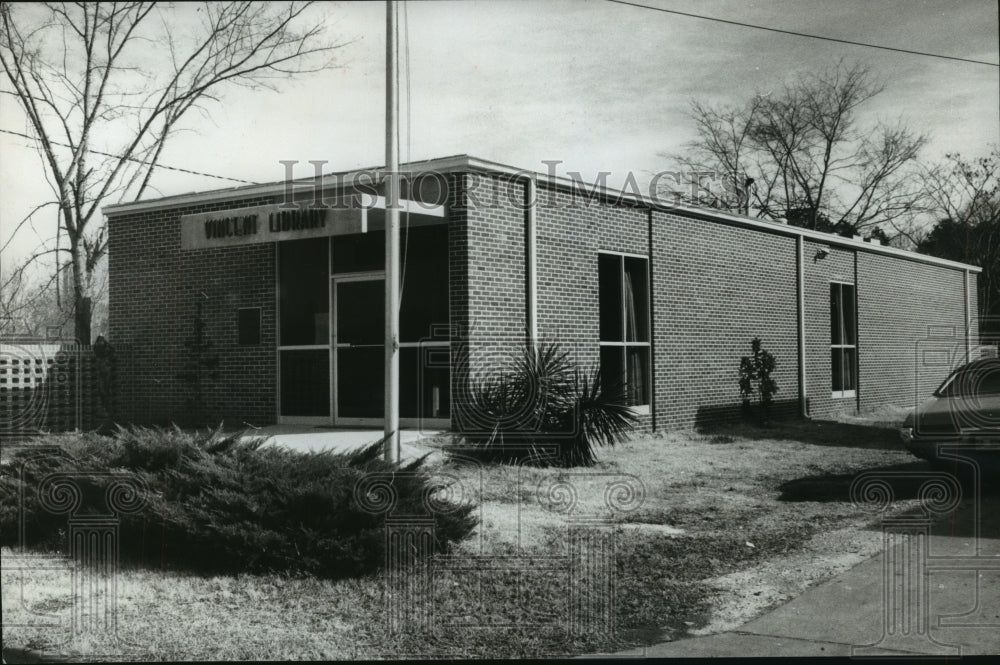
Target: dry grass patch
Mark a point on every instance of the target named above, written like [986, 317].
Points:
[729, 527]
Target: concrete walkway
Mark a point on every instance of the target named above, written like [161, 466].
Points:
[847, 616]
[304, 438]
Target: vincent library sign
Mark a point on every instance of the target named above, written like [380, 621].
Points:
[270, 223]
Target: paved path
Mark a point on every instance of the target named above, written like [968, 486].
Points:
[960, 614]
[304, 438]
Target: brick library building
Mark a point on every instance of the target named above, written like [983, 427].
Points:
[265, 304]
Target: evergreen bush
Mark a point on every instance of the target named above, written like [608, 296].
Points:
[218, 504]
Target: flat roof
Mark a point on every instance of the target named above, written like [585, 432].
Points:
[458, 163]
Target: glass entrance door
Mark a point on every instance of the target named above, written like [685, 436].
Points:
[304, 332]
[358, 344]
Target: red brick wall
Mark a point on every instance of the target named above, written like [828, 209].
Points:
[154, 288]
[486, 245]
[570, 231]
[716, 287]
[906, 309]
[496, 268]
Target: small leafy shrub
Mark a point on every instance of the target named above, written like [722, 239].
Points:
[201, 366]
[219, 504]
[547, 410]
[105, 368]
[756, 381]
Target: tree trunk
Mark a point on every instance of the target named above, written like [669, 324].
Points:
[81, 316]
[81, 297]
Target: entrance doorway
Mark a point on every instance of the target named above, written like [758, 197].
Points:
[331, 329]
[358, 347]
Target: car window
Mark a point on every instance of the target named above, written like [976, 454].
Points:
[991, 381]
[947, 387]
[971, 381]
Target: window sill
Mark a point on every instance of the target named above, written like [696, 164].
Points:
[641, 410]
[840, 394]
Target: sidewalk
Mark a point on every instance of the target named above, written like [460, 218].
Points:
[846, 616]
[305, 438]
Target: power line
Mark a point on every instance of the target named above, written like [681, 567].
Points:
[135, 159]
[803, 34]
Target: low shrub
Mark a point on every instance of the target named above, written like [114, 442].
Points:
[215, 503]
[548, 411]
[756, 381]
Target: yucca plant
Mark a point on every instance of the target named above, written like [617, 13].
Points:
[547, 410]
[599, 417]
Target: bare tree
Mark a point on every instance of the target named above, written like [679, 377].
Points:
[965, 190]
[965, 198]
[801, 154]
[30, 302]
[105, 85]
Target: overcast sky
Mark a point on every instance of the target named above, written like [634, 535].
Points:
[600, 86]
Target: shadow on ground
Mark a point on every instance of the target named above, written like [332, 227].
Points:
[814, 432]
[837, 487]
[13, 655]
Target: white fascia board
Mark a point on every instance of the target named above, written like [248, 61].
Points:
[340, 179]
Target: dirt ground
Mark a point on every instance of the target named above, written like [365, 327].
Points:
[788, 483]
[798, 475]
[712, 528]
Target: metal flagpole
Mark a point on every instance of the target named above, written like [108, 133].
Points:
[392, 451]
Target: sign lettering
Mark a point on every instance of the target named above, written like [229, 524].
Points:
[270, 223]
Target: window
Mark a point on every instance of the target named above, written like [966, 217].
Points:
[424, 354]
[304, 281]
[249, 325]
[424, 255]
[843, 339]
[623, 284]
[359, 252]
[304, 328]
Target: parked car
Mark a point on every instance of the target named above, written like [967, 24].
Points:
[963, 412]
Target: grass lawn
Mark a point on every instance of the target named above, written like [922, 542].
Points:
[733, 521]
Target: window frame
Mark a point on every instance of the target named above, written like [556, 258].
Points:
[853, 392]
[625, 344]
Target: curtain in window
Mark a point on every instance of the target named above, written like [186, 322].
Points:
[631, 323]
[635, 376]
[841, 319]
[636, 382]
